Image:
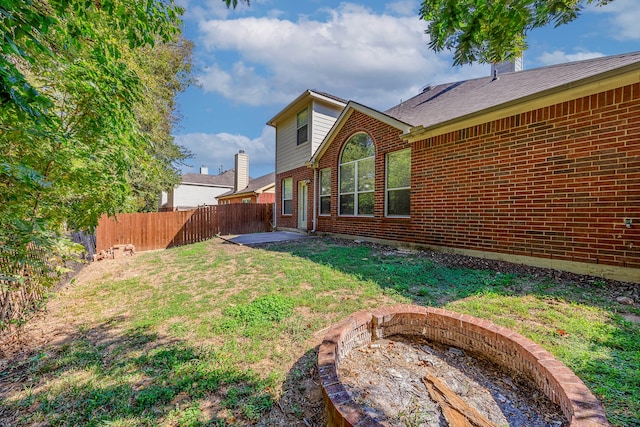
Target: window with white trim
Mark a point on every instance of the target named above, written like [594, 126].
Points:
[302, 126]
[287, 196]
[356, 176]
[398, 185]
[325, 191]
[246, 200]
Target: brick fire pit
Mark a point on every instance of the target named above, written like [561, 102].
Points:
[500, 345]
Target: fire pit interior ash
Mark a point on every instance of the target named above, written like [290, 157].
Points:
[411, 365]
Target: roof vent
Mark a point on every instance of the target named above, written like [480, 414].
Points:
[495, 75]
[426, 88]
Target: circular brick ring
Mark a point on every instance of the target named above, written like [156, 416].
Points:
[500, 345]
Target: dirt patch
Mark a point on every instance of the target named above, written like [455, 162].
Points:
[386, 378]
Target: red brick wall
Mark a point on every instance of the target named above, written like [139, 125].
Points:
[556, 182]
[238, 199]
[266, 198]
[291, 221]
[386, 139]
[262, 198]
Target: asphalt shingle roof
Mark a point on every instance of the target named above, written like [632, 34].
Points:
[225, 179]
[444, 102]
[328, 95]
[255, 184]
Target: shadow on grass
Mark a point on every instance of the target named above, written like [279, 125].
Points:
[300, 403]
[435, 279]
[575, 317]
[104, 376]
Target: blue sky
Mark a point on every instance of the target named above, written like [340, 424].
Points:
[252, 61]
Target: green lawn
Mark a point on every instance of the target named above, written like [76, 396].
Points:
[217, 334]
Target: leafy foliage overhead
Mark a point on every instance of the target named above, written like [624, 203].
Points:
[87, 92]
[492, 31]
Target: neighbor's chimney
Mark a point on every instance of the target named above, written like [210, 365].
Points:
[204, 170]
[242, 171]
[503, 67]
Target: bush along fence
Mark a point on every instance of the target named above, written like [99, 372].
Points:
[160, 230]
[25, 279]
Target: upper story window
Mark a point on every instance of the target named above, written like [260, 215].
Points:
[325, 191]
[302, 126]
[356, 179]
[398, 197]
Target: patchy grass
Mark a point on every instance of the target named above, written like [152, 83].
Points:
[215, 334]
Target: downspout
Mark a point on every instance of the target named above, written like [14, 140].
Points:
[315, 196]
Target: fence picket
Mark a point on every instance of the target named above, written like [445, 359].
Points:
[161, 230]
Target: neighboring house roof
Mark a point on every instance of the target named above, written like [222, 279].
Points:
[304, 98]
[257, 185]
[225, 179]
[449, 102]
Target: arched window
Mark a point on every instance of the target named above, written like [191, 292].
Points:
[357, 171]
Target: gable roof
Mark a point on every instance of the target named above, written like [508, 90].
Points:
[452, 102]
[342, 118]
[225, 179]
[257, 185]
[303, 99]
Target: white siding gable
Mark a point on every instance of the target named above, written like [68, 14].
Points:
[290, 155]
[191, 196]
[322, 118]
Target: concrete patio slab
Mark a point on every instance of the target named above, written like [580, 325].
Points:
[258, 238]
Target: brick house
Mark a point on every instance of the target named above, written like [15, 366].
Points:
[259, 190]
[246, 189]
[540, 167]
[300, 129]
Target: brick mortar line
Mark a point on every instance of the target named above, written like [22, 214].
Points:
[501, 345]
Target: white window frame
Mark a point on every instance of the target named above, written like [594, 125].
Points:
[387, 189]
[284, 194]
[299, 126]
[355, 191]
[322, 195]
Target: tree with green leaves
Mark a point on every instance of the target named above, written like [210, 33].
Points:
[493, 31]
[87, 93]
[234, 3]
[164, 70]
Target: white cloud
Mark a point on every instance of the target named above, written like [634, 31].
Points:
[217, 151]
[625, 16]
[559, 56]
[404, 7]
[353, 53]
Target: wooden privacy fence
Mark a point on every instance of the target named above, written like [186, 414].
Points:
[160, 230]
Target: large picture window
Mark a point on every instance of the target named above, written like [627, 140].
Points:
[357, 172]
[302, 126]
[398, 195]
[325, 191]
[287, 196]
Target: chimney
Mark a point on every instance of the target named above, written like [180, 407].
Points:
[204, 170]
[242, 171]
[503, 67]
